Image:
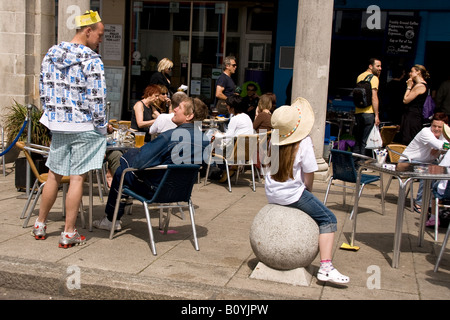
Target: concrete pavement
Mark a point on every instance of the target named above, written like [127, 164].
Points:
[124, 268]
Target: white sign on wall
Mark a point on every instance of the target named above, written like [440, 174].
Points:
[112, 42]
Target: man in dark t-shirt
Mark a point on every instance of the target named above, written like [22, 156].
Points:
[225, 86]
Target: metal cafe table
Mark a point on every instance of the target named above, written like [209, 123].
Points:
[405, 173]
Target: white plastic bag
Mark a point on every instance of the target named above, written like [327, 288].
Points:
[374, 140]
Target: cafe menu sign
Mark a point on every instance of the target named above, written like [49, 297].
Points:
[402, 35]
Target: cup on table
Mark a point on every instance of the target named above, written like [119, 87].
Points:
[123, 129]
[381, 156]
[139, 138]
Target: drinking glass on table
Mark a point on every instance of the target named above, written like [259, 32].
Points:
[123, 129]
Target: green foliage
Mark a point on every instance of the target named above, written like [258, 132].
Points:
[15, 118]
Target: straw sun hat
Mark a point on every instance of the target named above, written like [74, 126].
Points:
[293, 122]
[446, 132]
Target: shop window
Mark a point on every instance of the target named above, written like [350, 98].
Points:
[261, 20]
[155, 18]
[181, 20]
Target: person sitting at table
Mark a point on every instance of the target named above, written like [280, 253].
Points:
[240, 123]
[164, 121]
[263, 114]
[441, 189]
[158, 152]
[164, 104]
[290, 181]
[426, 147]
[144, 112]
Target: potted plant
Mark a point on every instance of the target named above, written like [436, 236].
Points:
[13, 122]
[16, 115]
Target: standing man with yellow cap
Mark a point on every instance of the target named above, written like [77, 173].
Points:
[73, 96]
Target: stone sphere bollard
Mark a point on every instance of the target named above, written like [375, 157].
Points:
[284, 238]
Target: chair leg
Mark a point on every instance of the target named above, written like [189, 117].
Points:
[194, 231]
[27, 204]
[150, 230]
[33, 205]
[328, 190]
[99, 185]
[441, 253]
[358, 195]
[253, 178]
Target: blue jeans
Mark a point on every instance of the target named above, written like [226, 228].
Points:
[312, 206]
[364, 124]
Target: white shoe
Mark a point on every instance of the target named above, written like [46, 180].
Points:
[332, 276]
[105, 224]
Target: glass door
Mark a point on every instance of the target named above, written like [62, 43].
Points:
[190, 34]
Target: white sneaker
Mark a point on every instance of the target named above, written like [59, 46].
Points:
[332, 276]
[105, 224]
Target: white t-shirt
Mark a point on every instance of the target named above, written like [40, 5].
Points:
[162, 123]
[239, 124]
[290, 191]
[419, 149]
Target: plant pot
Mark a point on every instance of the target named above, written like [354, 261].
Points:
[21, 172]
[12, 154]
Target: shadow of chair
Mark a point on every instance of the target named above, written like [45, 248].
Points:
[395, 151]
[388, 134]
[344, 169]
[174, 191]
[243, 153]
[41, 179]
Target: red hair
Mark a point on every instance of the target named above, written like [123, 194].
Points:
[151, 90]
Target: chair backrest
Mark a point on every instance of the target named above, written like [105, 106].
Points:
[177, 183]
[21, 145]
[395, 151]
[343, 165]
[388, 134]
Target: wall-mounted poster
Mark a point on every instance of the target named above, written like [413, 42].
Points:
[112, 42]
[115, 80]
[402, 35]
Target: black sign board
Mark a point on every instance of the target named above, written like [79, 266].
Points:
[402, 35]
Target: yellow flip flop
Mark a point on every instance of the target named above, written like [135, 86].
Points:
[346, 246]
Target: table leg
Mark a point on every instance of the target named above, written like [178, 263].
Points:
[355, 206]
[423, 217]
[91, 200]
[399, 220]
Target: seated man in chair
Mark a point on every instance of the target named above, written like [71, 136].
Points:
[184, 144]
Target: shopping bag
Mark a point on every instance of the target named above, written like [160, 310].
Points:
[374, 140]
[428, 107]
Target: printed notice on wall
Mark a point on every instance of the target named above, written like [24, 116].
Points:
[112, 42]
[402, 35]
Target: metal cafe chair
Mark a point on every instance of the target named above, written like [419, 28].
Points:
[395, 151]
[174, 191]
[244, 153]
[344, 169]
[41, 178]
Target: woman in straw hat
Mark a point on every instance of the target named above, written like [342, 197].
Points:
[290, 182]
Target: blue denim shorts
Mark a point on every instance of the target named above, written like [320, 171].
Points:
[312, 206]
[76, 153]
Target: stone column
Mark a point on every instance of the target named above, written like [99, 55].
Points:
[311, 67]
[67, 11]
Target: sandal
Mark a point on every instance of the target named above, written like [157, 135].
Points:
[332, 276]
[417, 208]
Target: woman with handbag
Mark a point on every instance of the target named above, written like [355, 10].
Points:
[414, 99]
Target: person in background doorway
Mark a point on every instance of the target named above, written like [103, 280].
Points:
[414, 99]
[225, 86]
[367, 117]
[163, 76]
